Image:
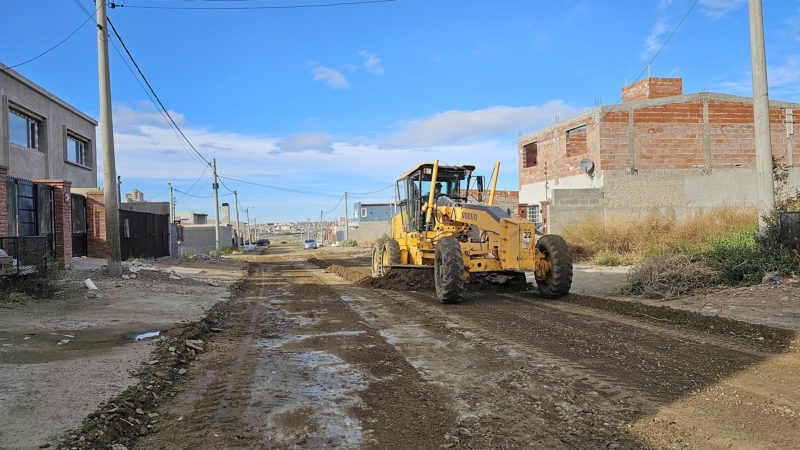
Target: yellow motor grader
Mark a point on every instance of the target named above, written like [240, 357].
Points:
[443, 223]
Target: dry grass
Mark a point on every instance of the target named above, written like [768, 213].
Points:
[620, 241]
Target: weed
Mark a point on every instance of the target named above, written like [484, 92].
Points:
[349, 243]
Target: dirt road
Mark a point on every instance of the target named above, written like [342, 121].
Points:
[306, 359]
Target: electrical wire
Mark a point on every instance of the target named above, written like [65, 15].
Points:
[277, 188]
[373, 192]
[150, 87]
[341, 199]
[660, 49]
[209, 8]
[59, 44]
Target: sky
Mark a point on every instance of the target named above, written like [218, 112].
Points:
[311, 102]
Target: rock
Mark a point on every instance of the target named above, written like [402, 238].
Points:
[91, 295]
[171, 349]
[126, 277]
[153, 362]
[175, 277]
[195, 344]
[133, 276]
[118, 447]
[139, 411]
[182, 371]
[215, 330]
[212, 283]
[63, 342]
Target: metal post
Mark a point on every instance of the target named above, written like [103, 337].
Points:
[346, 220]
[114, 258]
[238, 226]
[216, 204]
[766, 182]
[119, 191]
[171, 204]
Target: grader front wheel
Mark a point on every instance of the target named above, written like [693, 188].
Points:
[384, 256]
[448, 268]
[557, 281]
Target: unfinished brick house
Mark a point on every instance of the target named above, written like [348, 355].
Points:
[658, 150]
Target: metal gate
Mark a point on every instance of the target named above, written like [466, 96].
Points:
[30, 211]
[143, 235]
[79, 242]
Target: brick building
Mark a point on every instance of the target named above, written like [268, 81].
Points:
[659, 150]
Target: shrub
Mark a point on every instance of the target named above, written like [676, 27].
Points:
[227, 250]
[669, 275]
[190, 255]
[349, 243]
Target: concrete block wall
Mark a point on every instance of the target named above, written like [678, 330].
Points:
[573, 205]
[202, 238]
[3, 201]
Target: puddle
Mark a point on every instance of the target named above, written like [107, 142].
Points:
[146, 335]
[307, 396]
[279, 342]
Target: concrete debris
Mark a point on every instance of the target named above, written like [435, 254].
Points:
[195, 344]
[118, 447]
[182, 371]
[175, 277]
[126, 276]
[91, 295]
[90, 284]
[63, 342]
[213, 283]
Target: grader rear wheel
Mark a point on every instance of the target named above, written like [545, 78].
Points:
[558, 279]
[448, 268]
[384, 256]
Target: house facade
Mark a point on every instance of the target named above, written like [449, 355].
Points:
[47, 148]
[372, 212]
[659, 150]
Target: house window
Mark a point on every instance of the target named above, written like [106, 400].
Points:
[23, 129]
[363, 212]
[529, 155]
[576, 140]
[534, 214]
[76, 150]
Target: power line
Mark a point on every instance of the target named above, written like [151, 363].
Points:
[150, 87]
[373, 192]
[208, 8]
[277, 188]
[200, 196]
[60, 43]
[669, 38]
[341, 199]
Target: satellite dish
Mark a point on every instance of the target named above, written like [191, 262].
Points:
[587, 166]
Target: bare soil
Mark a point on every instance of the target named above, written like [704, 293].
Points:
[306, 357]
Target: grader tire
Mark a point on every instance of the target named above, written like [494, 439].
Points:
[448, 267]
[388, 254]
[559, 280]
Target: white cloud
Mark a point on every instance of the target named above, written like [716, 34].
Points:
[466, 126]
[783, 79]
[654, 40]
[330, 76]
[372, 63]
[309, 141]
[719, 8]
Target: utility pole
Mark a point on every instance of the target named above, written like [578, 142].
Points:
[321, 233]
[346, 220]
[171, 204]
[114, 258]
[238, 227]
[249, 227]
[216, 204]
[255, 230]
[765, 192]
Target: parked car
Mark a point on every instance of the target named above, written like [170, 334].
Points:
[249, 247]
[309, 244]
[262, 242]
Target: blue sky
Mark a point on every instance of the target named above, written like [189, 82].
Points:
[327, 100]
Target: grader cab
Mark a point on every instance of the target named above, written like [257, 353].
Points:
[443, 222]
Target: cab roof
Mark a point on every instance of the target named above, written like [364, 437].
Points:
[424, 165]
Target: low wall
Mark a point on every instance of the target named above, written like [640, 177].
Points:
[202, 238]
[573, 205]
[366, 233]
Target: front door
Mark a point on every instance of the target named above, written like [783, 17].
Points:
[79, 243]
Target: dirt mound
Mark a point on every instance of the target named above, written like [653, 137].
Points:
[403, 280]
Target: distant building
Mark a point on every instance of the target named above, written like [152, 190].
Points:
[191, 218]
[372, 212]
[659, 150]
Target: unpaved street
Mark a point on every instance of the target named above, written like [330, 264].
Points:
[307, 359]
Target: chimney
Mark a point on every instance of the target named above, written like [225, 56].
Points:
[651, 88]
[225, 217]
